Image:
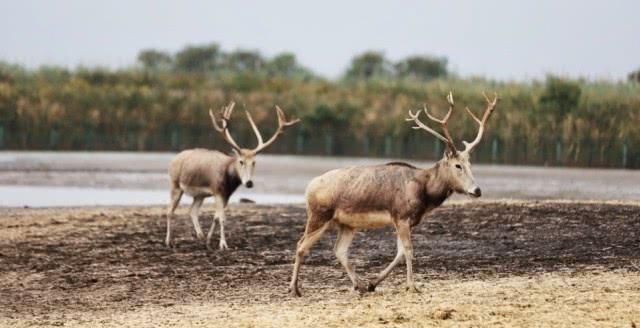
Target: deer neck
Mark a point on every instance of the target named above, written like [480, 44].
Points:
[232, 176]
[437, 186]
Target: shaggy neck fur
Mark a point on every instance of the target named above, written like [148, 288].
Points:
[232, 178]
[437, 185]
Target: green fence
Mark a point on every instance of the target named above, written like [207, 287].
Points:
[519, 150]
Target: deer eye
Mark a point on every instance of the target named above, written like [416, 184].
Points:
[241, 162]
[458, 166]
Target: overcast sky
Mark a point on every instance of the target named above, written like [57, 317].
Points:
[498, 39]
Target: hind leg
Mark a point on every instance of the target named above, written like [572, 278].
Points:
[316, 227]
[194, 212]
[176, 194]
[404, 234]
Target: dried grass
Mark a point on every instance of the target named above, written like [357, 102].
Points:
[593, 299]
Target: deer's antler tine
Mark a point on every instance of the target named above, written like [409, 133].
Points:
[447, 137]
[282, 123]
[473, 115]
[491, 105]
[254, 127]
[223, 127]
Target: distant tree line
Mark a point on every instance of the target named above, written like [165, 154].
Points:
[634, 76]
[162, 103]
[373, 64]
[210, 59]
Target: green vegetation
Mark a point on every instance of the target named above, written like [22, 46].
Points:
[162, 105]
[634, 76]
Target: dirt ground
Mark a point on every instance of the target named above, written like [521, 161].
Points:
[477, 264]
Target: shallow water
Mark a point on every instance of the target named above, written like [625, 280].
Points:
[45, 196]
[132, 178]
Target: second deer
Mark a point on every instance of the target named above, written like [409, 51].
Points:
[203, 173]
[395, 194]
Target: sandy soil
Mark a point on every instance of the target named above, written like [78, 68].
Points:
[478, 264]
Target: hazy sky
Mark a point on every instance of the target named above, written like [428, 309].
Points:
[499, 39]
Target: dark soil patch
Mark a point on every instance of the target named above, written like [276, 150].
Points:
[115, 261]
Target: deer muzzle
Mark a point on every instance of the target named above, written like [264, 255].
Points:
[475, 192]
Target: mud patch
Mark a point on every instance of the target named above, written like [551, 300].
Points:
[73, 260]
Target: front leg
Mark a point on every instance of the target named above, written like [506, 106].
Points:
[221, 204]
[403, 229]
[343, 241]
[223, 241]
[382, 275]
[211, 229]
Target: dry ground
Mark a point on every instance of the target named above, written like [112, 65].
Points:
[478, 264]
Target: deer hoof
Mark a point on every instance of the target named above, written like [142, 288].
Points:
[200, 236]
[223, 245]
[413, 289]
[295, 292]
[364, 287]
[371, 288]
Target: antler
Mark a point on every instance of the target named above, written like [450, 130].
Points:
[419, 125]
[282, 123]
[223, 128]
[491, 105]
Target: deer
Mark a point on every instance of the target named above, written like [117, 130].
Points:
[395, 194]
[202, 173]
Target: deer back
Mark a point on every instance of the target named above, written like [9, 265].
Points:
[205, 168]
[362, 189]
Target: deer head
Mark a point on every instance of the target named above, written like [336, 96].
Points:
[245, 159]
[455, 166]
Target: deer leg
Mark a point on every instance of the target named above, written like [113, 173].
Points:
[307, 240]
[193, 212]
[221, 204]
[404, 234]
[223, 242]
[176, 194]
[343, 241]
[384, 273]
[212, 228]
